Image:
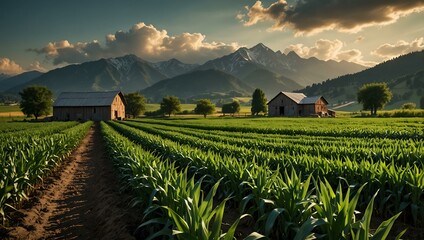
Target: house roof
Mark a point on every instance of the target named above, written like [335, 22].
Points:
[86, 99]
[300, 98]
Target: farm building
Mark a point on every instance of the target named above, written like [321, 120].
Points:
[297, 104]
[97, 106]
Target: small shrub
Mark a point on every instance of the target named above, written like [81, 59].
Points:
[409, 106]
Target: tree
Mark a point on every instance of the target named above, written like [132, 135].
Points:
[233, 107]
[170, 105]
[36, 100]
[374, 96]
[258, 102]
[205, 107]
[409, 106]
[136, 104]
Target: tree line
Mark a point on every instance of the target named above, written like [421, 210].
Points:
[171, 105]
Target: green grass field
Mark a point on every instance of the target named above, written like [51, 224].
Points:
[7, 108]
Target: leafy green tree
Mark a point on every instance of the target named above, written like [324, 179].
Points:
[136, 104]
[258, 102]
[409, 105]
[170, 105]
[374, 96]
[232, 108]
[36, 100]
[205, 107]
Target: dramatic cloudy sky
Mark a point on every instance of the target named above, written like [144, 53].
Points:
[45, 34]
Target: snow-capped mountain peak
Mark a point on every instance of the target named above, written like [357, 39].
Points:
[306, 71]
[173, 67]
[242, 54]
[123, 64]
[261, 48]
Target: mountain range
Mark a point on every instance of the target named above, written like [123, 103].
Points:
[128, 73]
[199, 84]
[303, 71]
[20, 79]
[404, 76]
[4, 76]
[245, 69]
[173, 67]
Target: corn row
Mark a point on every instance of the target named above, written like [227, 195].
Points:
[167, 194]
[400, 152]
[25, 161]
[273, 199]
[329, 127]
[401, 187]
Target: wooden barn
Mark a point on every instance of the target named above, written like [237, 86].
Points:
[83, 106]
[297, 104]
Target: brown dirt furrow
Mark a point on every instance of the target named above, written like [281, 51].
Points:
[82, 203]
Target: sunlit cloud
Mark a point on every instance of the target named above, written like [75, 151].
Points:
[388, 51]
[325, 49]
[146, 41]
[314, 16]
[36, 66]
[9, 67]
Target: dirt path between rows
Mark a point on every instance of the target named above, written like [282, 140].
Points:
[81, 202]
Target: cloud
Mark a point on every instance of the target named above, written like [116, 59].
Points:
[36, 66]
[388, 51]
[143, 40]
[325, 49]
[313, 16]
[9, 67]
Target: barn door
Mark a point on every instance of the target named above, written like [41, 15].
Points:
[281, 111]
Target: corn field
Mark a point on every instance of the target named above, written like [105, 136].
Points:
[28, 153]
[253, 178]
[284, 179]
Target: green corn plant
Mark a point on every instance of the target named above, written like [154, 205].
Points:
[335, 217]
[416, 183]
[200, 220]
[259, 185]
[291, 208]
[362, 229]
[336, 209]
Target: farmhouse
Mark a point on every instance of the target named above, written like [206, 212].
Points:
[97, 106]
[297, 104]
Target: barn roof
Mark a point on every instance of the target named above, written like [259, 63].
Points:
[86, 99]
[312, 100]
[296, 97]
[300, 98]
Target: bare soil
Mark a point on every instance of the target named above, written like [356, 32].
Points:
[81, 202]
